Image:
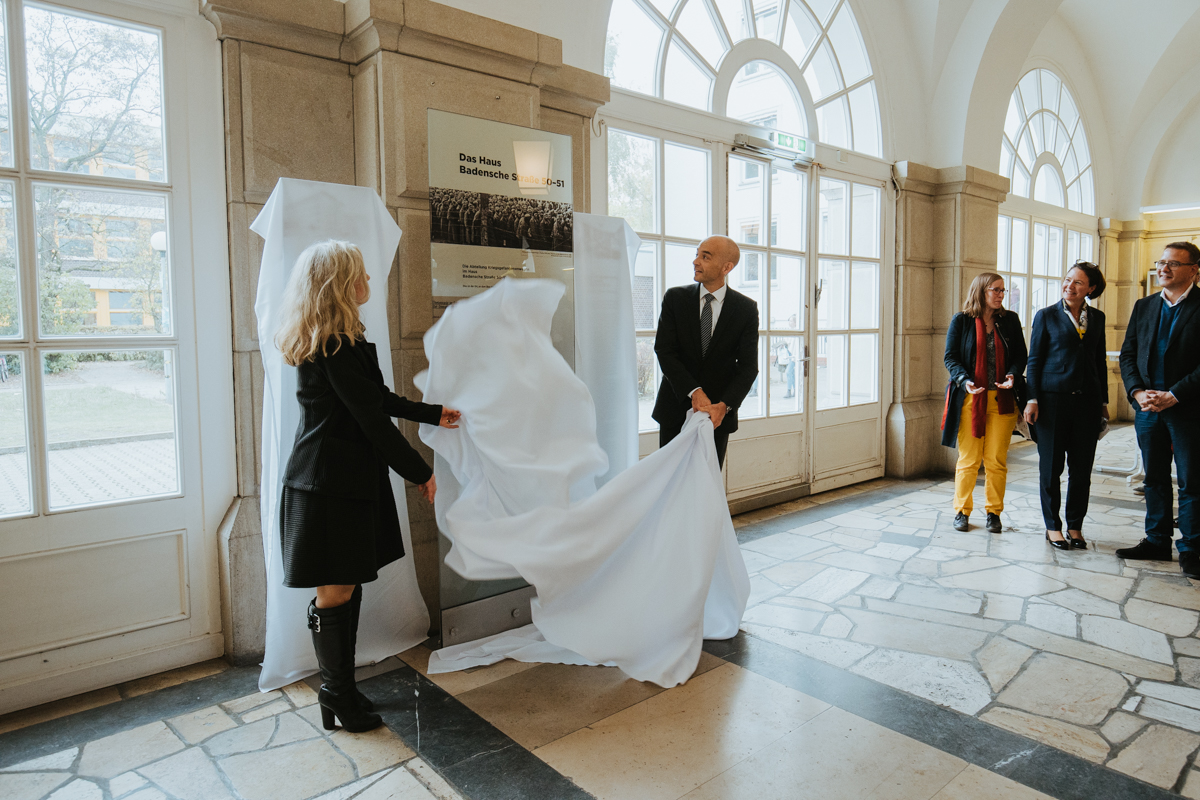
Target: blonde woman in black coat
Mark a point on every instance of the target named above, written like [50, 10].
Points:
[338, 520]
[1068, 399]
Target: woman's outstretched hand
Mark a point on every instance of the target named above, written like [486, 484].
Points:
[428, 489]
[449, 418]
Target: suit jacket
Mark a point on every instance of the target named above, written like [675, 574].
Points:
[1059, 361]
[960, 363]
[346, 436]
[1183, 348]
[726, 372]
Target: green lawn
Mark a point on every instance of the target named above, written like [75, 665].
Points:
[87, 412]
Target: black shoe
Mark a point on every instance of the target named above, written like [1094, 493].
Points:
[1077, 542]
[1189, 564]
[355, 607]
[333, 641]
[961, 522]
[993, 523]
[1060, 544]
[1140, 489]
[1144, 551]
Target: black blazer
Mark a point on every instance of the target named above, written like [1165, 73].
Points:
[1059, 361]
[1183, 348]
[960, 363]
[346, 436]
[725, 373]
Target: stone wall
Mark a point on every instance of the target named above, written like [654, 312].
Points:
[318, 90]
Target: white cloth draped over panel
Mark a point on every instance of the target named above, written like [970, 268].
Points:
[394, 616]
[635, 574]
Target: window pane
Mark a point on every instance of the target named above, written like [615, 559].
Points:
[631, 49]
[95, 96]
[832, 200]
[633, 180]
[684, 81]
[1072, 247]
[867, 218]
[91, 243]
[14, 450]
[687, 193]
[645, 287]
[1054, 253]
[1002, 242]
[849, 46]
[1085, 247]
[1015, 299]
[1039, 248]
[822, 75]
[734, 14]
[864, 109]
[802, 31]
[761, 94]
[748, 276]
[695, 24]
[746, 200]
[6, 143]
[864, 368]
[1047, 188]
[786, 375]
[833, 127]
[1039, 299]
[1020, 244]
[831, 307]
[787, 293]
[110, 425]
[679, 265]
[831, 371]
[864, 295]
[647, 382]
[752, 406]
[766, 18]
[10, 283]
[789, 208]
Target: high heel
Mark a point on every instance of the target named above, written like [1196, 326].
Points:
[333, 641]
[1077, 542]
[1062, 544]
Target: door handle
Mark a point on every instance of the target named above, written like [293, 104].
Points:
[820, 286]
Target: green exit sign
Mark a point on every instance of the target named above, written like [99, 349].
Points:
[789, 142]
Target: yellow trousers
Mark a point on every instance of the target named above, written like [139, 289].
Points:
[992, 450]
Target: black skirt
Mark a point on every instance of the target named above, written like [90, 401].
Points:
[330, 540]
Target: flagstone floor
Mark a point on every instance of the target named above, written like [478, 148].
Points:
[884, 655]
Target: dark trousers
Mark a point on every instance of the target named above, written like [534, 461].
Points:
[1159, 434]
[721, 440]
[1067, 427]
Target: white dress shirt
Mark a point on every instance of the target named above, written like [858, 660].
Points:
[717, 301]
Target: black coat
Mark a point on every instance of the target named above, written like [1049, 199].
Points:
[726, 372]
[1060, 361]
[960, 363]
[1183, 349]
[346, 436]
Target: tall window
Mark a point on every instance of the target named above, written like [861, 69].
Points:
[1044, 151]
[87, 398]
[1033, 257]
[677, 50]
[661, 187]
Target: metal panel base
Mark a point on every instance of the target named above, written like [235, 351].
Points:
[486, 617]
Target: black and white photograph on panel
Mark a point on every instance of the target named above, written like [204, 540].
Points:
[491, 220]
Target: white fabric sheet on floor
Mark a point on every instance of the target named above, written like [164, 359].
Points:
[635, 574]
[297, 214]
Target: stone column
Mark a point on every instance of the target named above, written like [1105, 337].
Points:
[318, 90]
[945, 236]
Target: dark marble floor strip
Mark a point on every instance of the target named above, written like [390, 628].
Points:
[1026, 761]
[818, 513]
[481, 761]
[77, 729]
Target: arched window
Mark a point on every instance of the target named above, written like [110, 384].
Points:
[795, 65]
[1045, 147]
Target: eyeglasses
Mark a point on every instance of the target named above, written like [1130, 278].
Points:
[1172, 264]
[997, 291]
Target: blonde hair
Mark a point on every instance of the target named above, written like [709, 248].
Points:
[321, 301]
[976, 300]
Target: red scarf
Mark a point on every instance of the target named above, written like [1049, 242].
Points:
[1004, 397]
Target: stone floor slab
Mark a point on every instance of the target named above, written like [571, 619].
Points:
[1162, 618]
[947, 682]
[1056, 733]
[1083, 603]
[947, 600]
[200, 725]
[1012, 580]
[31, 785]
[296, 770]
[189, 775]
[1121, 726]
[1068, 690]
[1157, 755]
[1085, 651]
[1125, 637]
[914, 635]
[838, 652]
[1055, 619]
[1000, 660]
[830, 585]
[373, 750]
[121, 752]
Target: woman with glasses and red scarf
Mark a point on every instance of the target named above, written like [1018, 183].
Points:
[985, 355]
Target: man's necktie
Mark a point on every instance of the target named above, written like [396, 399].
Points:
[706, 324]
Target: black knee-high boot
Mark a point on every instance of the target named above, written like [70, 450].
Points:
[333, 640]
[355, 608]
